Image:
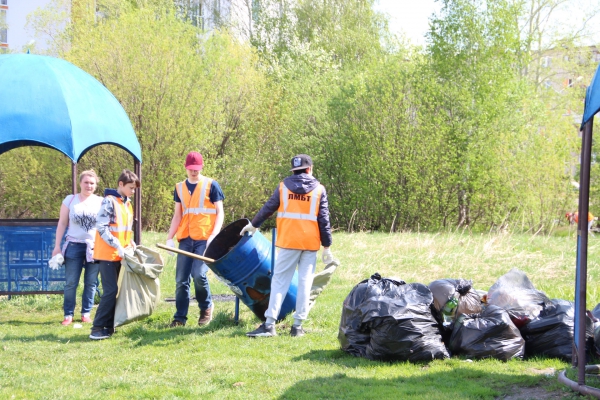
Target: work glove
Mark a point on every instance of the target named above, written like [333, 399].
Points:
[55, 262]
[170, 243]
[327, 256]
[120, 251]
[248, 228]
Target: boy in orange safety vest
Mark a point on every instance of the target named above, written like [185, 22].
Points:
[573, 218]
[197, 219]
[302, 227]
[114, 233]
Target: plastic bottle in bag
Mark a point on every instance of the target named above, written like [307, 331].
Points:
[449, 310]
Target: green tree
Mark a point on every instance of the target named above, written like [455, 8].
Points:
[183, 91]
[477, 56]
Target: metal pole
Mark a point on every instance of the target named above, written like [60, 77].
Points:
[74, 178]
[236, 317]
[137, 212]
[582, 247]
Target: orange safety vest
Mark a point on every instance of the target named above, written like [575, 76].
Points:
[297, 225]
[198, 213]
[576, 217]
[119, 228]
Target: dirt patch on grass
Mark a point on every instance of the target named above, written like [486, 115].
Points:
[538, 391]
[534, 393]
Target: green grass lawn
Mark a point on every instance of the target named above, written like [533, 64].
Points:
[39, 358]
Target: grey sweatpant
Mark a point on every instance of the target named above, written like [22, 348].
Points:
[285, 265]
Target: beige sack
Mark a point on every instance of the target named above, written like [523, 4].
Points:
[321, 280]
[139, 287]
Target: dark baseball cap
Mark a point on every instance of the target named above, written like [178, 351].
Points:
[301, 161]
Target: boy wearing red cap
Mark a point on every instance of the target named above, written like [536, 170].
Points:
[197, 219]
[573, 218]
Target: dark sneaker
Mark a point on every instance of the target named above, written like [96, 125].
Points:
[297, 331]
[263, 331]
[100, 334]
[205, 317]
[175, 323]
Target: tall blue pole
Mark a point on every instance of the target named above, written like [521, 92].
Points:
[582, 247]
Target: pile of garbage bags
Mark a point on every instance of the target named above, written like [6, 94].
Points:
[385, 319]
[391, 320]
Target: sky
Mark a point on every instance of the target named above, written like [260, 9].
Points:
[411, 17]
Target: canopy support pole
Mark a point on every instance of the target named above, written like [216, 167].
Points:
[582, 251]
[74, 178]
[137, 202]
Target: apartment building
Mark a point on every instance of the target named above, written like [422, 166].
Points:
[562, 68]
[13, 19]
[235, 15]
[3, 26]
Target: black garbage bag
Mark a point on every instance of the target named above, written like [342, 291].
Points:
[402, 326]
[452, 298]
[353, 336]
[596, 320]
[551, 333]
[386, 319]
[490, 334]
[515, 293]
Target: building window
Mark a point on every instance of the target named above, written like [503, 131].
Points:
[192, 10]
[3, 27]
[255, 10]
[546, 62]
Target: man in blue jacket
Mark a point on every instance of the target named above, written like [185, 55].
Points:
[302, 227]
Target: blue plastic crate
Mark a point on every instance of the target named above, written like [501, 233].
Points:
[25, 248]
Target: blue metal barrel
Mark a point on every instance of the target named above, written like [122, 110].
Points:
[244, 263]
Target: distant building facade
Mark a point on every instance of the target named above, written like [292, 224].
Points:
[558, 66]
[235, 15]
[13, 18]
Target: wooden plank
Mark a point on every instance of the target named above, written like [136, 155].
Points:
[185, 253]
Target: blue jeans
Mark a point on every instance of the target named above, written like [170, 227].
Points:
[191, 268]
[75, 261]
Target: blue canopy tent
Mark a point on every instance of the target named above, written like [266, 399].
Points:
[52, 103]
[592, 106]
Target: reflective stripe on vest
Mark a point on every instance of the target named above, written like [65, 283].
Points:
[198, 214]
[297, 224]
[311, 216]
[200, 209]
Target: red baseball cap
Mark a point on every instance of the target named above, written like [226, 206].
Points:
[194, 161]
